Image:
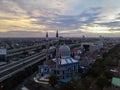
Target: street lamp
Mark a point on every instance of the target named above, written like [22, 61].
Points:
[1, 87]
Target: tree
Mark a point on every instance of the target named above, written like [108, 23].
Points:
[80, 70]
[93, 72]
[85, 83]
[102, 82]
[108, 74]
[53, 80]
[67, 86]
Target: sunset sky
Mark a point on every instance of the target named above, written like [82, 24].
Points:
[73, 18]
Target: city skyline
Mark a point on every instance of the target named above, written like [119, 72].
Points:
[73, 18]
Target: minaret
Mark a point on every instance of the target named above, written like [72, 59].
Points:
[46, 47]
[101, 39]
[83, 38]
[57, 49]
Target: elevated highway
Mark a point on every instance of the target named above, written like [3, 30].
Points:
[10, 69]
[29, 48]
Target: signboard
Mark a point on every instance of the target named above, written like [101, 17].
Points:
[3, 51]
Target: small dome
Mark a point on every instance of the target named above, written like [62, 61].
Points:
[64, 51]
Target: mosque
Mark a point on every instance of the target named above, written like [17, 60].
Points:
[63, 65]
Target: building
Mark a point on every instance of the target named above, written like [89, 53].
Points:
[3, 53]
[63, 65]
[115, 83]
[92, 47]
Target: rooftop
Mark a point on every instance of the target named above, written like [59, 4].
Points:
[116, 81]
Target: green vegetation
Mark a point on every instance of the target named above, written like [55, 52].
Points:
[85, 83]
[74, 85]
[68, 86]
[102, 82]
[99, 73]
[53, 80]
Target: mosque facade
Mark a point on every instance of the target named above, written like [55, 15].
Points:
[63, 65]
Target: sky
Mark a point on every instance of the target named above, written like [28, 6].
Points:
[72, 18]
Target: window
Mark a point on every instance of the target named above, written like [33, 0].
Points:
[63, 72]
[58, 72]
[74, 67]
[54, 71]
[45, 69]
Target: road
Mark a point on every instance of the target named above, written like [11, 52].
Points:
[10, 69]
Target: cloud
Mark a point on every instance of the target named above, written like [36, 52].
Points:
[22, 33]
[73, 17]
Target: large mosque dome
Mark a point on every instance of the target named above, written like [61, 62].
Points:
[64, 51]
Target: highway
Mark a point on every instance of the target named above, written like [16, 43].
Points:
[20, 69]
[17, 62]
[16, 67]
[10, 69]
[28, 48]
[15, 52]
[19, 52]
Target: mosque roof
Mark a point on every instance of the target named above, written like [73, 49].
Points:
[64, 51]
[65, 57]
[64, 61]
